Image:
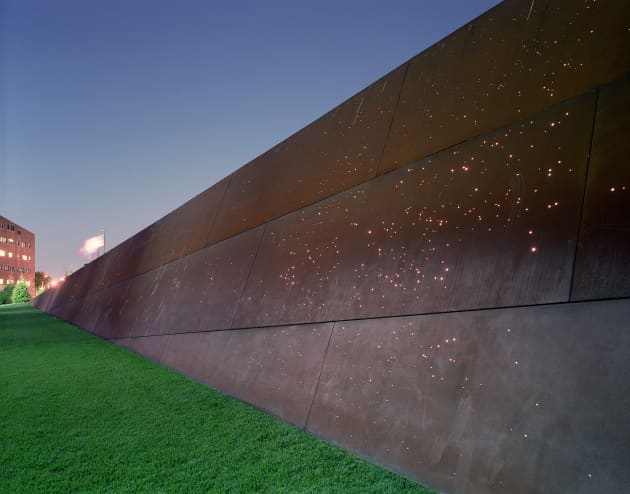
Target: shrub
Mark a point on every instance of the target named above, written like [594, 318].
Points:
[20, 294]
[6, 297]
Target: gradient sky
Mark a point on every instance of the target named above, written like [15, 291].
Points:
[113, 113]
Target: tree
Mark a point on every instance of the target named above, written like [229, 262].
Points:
[42, 280]
[20, 294]
[6, 296]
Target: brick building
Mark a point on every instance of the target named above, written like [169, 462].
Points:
[17, 255]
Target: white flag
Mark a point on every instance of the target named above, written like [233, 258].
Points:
[92, 244]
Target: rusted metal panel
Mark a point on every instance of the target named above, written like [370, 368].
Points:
[602, 268]
[184, 230]
[75, 286]
[150, 348]
[198, 292]
[44, 300]
[177, 234]
[65, 311]
[524, 400]
[89, 311]
[275, 369]
[489, 223]
[517, 59]
[110, 305]
[337, 151]
[195, 293]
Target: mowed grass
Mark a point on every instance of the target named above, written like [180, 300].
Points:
[78, 414]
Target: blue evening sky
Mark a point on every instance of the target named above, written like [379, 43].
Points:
[115, 112]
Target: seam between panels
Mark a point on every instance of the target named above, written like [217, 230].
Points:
[391, 316]
[391, 122]
[584, 191]
[310, 408]
[163, 349]
[237, 306]
[215, 219]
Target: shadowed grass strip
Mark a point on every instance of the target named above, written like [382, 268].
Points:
[78, 414]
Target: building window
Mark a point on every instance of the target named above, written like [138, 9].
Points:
[1, 281]
[3, 240]
[2, 253]
[10, 254]
[28, 283]
[24, 257]
[11, 241]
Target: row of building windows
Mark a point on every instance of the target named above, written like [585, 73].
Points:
[12, 269]
[10, 227]
[6, 267]
[20, 243]
[11, 282]
[24, 257]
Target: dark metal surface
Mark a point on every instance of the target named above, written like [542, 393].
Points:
[83, 312]
[66, 311]
[528, 400]
[44, 301]
[517, 59]
[184, 230]
[150, 348]
[87, 280]
[337, 151]
[198, 292]
[177, 234]
[602, 269]
[275, 369]
[490, 223]
[110, 305]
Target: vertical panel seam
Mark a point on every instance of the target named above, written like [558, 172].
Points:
[581, 213]
[161, 354]
[249, 274]
[219, 209]
[310, 408]
[391, 122]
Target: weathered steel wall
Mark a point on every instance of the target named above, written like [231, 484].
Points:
[435, 274]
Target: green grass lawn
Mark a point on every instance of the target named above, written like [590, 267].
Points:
[78, 414]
